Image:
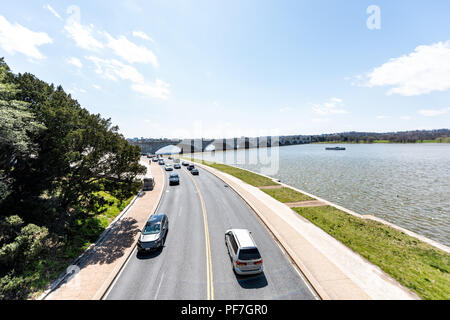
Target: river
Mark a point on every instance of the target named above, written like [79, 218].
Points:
[405, 184]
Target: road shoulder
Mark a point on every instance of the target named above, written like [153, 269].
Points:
[104, 260]
[334, 271]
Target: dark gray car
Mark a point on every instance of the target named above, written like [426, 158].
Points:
[154, 233]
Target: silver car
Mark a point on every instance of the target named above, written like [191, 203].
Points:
[244, 253]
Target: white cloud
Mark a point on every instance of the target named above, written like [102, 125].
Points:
[75, 90]
[383, 117]
[16, 38]
[114, 70]
[53, 11]
[142, 35]
[425, 70]
[434, 113]
[81, 34]
[158, 89]
[131, 52]
[75, 61]
[406, 118]
[332, 106]
[96, 86]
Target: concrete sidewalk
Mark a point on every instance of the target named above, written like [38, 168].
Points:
[335, 271]
[104, 260]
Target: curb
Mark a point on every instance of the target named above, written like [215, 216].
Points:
[358, 215]
[64, 275]
[302, 268]
[114, 274]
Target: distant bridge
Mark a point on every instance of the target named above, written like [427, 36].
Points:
[151, 146]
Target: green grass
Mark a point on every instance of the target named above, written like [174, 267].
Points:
[415, 264]
[437, 140]
[246, 176]
[287, 195]
[62, 254]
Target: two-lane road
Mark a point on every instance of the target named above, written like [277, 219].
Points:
[194, 263]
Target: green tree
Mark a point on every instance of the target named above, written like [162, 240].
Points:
[78, 151]
[17, 123]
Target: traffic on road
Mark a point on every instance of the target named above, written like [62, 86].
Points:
[217, 247]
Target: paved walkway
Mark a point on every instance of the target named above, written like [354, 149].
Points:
[335, 271]
[104, 260]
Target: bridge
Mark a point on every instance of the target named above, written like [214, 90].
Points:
[151, 146]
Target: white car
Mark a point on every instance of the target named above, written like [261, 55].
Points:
[168, 167]
[244, 253]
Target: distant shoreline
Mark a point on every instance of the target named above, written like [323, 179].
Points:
[446, 140]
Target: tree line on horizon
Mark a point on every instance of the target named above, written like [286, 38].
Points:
[413, 136]
[55, 158]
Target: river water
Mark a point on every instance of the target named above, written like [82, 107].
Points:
[406, 184]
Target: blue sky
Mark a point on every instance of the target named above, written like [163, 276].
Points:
[232, 68]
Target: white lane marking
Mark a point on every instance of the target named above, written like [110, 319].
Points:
[159, 286]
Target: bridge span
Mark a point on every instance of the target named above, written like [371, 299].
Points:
[151, 146]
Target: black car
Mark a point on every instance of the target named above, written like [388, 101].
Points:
[154, 233]
[190, 167]
[194, 171]
[174, 179]
[185, 163]
[176, 166]
[161, 162]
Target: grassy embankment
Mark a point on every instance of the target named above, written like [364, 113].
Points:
[415, 264]
[62, 253]
[287, 195]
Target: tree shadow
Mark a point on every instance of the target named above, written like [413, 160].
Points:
[252, 281]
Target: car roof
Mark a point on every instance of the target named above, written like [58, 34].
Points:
[174, 174]
[157, 217]
[244, 238]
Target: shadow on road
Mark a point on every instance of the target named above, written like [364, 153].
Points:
[252, 282]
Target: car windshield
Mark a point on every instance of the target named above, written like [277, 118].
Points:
[249, 254]
[174, 176]
[152, 228]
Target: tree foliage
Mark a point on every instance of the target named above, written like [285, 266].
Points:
[17, 123]
[55, 158]
[65, 151]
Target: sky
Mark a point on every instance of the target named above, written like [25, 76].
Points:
[213, 69]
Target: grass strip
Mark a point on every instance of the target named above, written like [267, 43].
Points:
[285, 194]
[415, 264]
[61, 255]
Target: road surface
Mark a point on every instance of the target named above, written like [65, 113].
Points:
[194, 263]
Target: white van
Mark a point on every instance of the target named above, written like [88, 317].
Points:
[149, 183]
[243, 252]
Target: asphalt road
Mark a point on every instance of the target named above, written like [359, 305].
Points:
[194, 263]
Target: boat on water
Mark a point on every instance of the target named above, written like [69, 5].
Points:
[335, 148]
